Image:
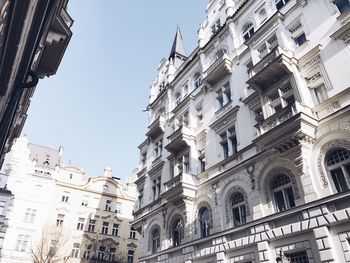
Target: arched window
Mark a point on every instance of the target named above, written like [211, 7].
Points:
[220, 53]
[177, 232]
[197, 79]
[283, 192]
[238, 209]
[248, 30]
[155, 240]
[177, 98]
[262, 15]
[204, 221]
[338, 165]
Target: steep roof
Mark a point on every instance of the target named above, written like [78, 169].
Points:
[178, 47]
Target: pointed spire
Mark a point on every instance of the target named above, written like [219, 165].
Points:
[178, 48]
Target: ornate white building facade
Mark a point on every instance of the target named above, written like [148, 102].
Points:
[58, 208]
[247, 155]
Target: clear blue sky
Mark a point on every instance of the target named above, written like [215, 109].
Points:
[93, 105]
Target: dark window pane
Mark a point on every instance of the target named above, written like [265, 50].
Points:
[289, 192]
[339, 180]
[280, 202]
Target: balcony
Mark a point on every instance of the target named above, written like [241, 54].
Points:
[271, 68]
[285, 128]
[218, 70]
[156, 127]
[179, 139]
[181, 187]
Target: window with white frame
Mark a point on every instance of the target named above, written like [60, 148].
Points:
[342, 5]
[80, 224]
[101, 252]
[104, 228]
[75, 251]
[131, 256]
[60, 220]
[268, 45]
[228, 142]
[115, 229]
[158, 147]
[156, 187]
[280, 3]
[248, 30]
[319, 94]
[338, 166]
[92, 224]
[140, 197]
[202, 163]
[238, 209]
[118, 207]
[281, 98]
[283, 192]
[223, 95]
[132, 233]
[22, 242]
[108, 206]
[29, 215]
[87, 252]
[183, 163]
[112, 253]
[297, 33]
[197, 79]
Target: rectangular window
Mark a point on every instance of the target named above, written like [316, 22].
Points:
[29, 215]
[156, 188]
[301, 39]
[158, 148]
[202, 163]
[59, 220]
[228, 142]
[22, 243]
[105, 228]
[112, 252]
[108, 206]
[75, 250]
[64, 198]
[140, 198]
[81, 222]
[92, 224]
[132, 233]
[118, 207]
[130, 256]
[115, 229]
[320, 94]
[224, 95]
[101, 252]
[298, 257]
[87, 252]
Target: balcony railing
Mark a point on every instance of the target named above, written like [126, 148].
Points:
[182, 186]
[156, 127]
[179, 139]
[276, 119]
[220, 68]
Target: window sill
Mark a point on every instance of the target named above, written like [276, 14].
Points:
[224, 108]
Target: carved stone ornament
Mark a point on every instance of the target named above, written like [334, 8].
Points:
[250, 170]
[321, 158]
[235, 189]
[214, 188]
[272, 175]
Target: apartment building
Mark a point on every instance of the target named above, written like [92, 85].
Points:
[247, 153]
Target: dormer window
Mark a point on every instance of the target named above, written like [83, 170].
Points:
[248, 31]
[197, 80]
